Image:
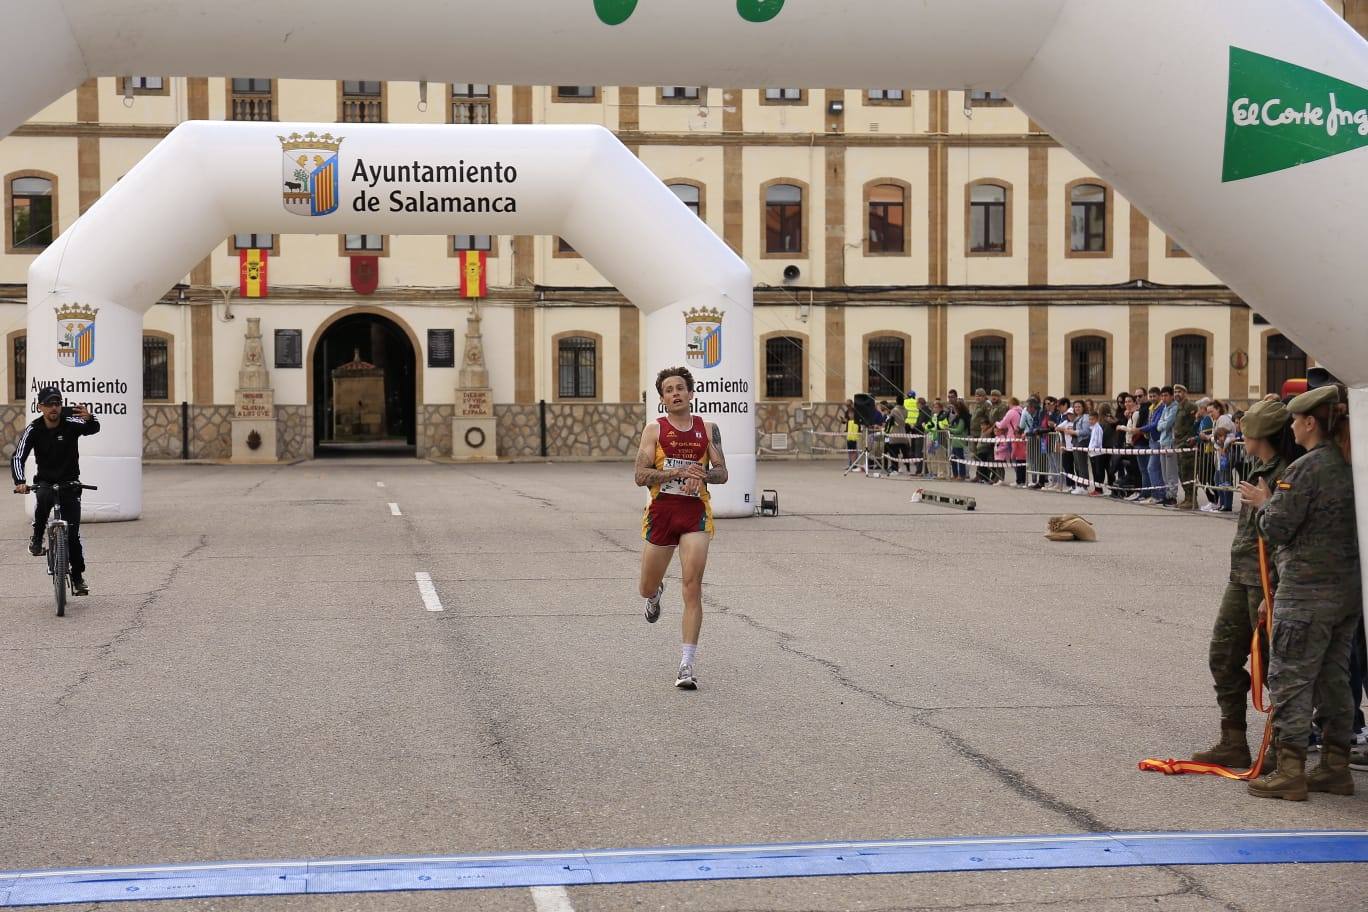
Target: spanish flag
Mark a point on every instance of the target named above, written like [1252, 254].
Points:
[252, 273]
[474, 284]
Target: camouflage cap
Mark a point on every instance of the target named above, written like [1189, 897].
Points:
[1309, 400]
[1264, 419]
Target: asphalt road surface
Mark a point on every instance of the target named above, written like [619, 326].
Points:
[258, 674]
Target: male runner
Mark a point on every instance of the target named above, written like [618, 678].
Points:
[54, 439]
[680, 455]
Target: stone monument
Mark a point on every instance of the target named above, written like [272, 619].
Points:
[473, 429]
[254, 422]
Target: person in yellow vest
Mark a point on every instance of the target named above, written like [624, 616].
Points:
[852, 436]
[914, 446]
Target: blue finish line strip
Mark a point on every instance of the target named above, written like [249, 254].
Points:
[668, 865]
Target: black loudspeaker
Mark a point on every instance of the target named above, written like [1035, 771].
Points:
[1317, 377]
[791, 273]
[867, 411]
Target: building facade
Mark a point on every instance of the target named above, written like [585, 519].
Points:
[900, 239]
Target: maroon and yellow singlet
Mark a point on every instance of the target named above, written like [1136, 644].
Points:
[672, 513]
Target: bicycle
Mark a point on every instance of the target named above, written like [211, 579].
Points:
[58, 558]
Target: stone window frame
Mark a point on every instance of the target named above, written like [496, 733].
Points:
[384, 250]
[121, 81]
[557, 98]
[491, 254]
[1108, 220]
[170, 366]
[763, 392]
[804, 207]
[273, 95]
[904, 102]
[384, 100]
[701, 100]
[800, 101]
[1010, 191]
[554, 378]
[1009, 343]
[10, 178]
[702, 189]
[1003, 102]
[906, 340]
[273, 250]
[1210, 357]
[10, 339]
[907, 212]
[1108, 363]
[490, 101]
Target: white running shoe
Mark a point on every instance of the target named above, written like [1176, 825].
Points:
[1134, 497]
[686, 680]
[653, 605]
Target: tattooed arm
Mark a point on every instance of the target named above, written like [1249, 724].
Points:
[647, 475]
[717, 469]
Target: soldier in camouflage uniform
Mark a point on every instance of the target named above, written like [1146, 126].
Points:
[1309, 518]
[1184, 435]
[1269, 440]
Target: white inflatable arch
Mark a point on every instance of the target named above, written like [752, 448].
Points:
[1237, 126]
[208, 180]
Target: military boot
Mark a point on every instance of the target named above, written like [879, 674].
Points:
[1232, 751]
[1288, 781]
[1332, 775]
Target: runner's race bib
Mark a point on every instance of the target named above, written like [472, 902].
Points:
[676, 486]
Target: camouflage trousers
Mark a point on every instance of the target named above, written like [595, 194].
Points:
[1310, 667]
[1229, 651]
[1187, 468]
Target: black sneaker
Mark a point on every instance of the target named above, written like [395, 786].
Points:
[37, 549]
[78, 585]
[653, 605]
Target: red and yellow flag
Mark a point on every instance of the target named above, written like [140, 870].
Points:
[474, 283]
[252, 273]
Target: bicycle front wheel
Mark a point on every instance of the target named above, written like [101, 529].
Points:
[59, 562]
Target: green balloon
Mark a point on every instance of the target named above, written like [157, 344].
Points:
[759, 10]
[614, 12]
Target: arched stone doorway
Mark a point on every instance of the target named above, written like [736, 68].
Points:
[364, 386]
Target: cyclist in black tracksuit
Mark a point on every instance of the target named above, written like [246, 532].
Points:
[54, 440]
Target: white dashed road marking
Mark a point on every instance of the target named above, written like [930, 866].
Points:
[551, 899]
[428, 591]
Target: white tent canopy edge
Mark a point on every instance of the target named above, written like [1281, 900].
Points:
[577, 182]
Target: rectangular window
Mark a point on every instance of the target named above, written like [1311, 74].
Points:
[156, 368]
[784, 367]
[988, 363]
[462, 242]
[885, 95]
[988, 224]
[564, 249]
[147, 83]
[680, 93]
[576, 93]
[577, 366]
[1285, 362]
[1189, 363]
[362, 101]
[782, 95]
[251, 99]
[254, 241]
[471, 103]
[20, 368]
[375, 242]
[31, 213]
[1089, 360]
[986, 97]
[886, 361]
[886, 219]
[1088, 219]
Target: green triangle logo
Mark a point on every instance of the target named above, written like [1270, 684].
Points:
[1280, 115]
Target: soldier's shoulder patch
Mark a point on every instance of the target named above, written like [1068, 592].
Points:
[1284, 485]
